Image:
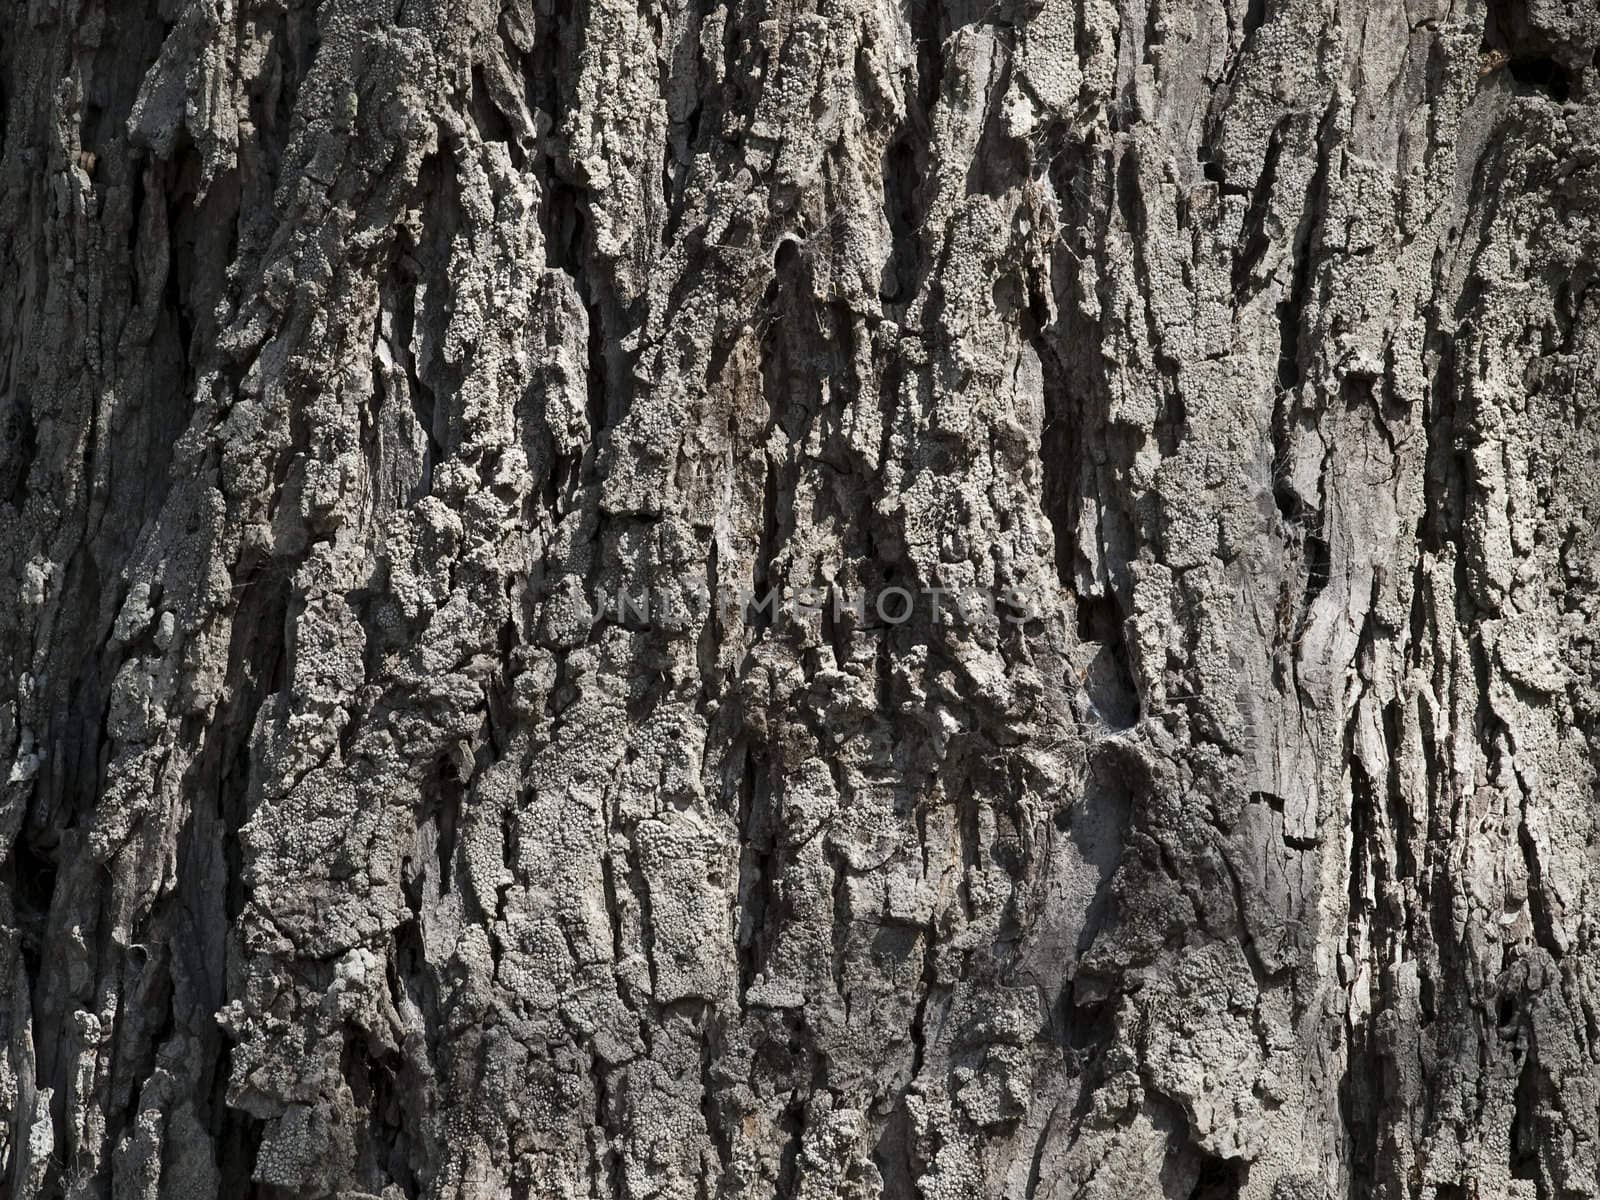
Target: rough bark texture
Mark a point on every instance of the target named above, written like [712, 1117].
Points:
[349, 349]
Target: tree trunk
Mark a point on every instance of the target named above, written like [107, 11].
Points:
[669, 601]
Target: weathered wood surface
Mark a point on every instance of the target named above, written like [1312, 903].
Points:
[350, 350]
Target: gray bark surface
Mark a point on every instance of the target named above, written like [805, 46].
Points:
[352, 350]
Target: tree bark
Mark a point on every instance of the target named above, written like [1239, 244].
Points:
[1233, 836]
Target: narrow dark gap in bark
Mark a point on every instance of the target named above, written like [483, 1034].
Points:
[302, 39]
[30, 873]
[435, 380]
[377, 1080]
[782, 377]
[1359, 1107]
[542, 68]
[566, 230]
[597, 378]
[927, 982]
[179, 269]
[424, 405]
[757, 865]
[1524, 1140]
[1538, 902]
[1318, 561]
[904, 167]
[90, 121]
[255, 672]
[1446, 496]
[1360, 1089]
[1291, 311]
[906, 162]
[833, 632]
[237, 1143]
[1129, 200]
[442, 795]
[1219, 1178]
[608, 884]
[840, 896]
[270, 102]
[1305, 528]
[793, 1125]
[1363, 818]
[711, 1056]
[153, 980]
[783, 341]
[491, 122]
[891, 1154]
[682, 143]
[1401, 821]
[1292, 308]
[1253, 238]
[680, 58]
[968, 814]
[1172, 419]
[1061, 454]
[233, 752]
[19, 446]
[1255, 14]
